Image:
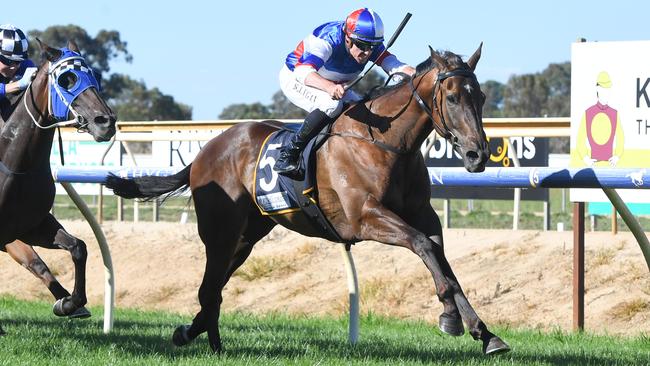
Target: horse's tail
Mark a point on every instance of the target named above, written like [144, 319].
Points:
[149, 188]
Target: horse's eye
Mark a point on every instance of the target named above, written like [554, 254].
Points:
[67, 80]
[451, 98]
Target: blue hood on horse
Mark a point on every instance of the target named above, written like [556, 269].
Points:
[69, 62]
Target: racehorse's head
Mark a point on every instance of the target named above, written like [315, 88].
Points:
[74, 93]
[457, 107]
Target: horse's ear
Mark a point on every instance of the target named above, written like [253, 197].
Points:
[72, 46]
[475, 57]
[435, 56]
[52, 54]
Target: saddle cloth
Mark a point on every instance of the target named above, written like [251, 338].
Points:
[275, 193]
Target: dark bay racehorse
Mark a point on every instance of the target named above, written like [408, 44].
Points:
[372, 184]
[64, 92]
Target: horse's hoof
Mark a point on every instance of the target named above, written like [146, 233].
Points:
[180, 337]
[2, 332]
[216, 348]
[452, 325]
[80, 313]
[65, 307]
[494, 346]
[57, 308]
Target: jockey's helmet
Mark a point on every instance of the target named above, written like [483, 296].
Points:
[13, 43]
[365, 25]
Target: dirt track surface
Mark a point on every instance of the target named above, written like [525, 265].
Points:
[520, 278]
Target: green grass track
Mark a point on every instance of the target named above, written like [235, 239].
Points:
[36, 337]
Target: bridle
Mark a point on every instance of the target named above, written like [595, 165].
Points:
[54, 70]
[443, 130]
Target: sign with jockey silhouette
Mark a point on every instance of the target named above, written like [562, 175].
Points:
[610, 111]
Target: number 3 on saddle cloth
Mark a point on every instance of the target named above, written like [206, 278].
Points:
[277, 194]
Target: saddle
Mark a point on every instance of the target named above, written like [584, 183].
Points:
[277, 194]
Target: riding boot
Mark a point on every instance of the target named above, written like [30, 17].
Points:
[289, 160]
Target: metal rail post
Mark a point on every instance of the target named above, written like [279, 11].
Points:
[631, 222]
[353, 292]
[109, 285]
[517, 191]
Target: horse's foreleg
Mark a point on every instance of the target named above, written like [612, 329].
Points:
[477, 328]
[50, 234]
[427, 221]
[27, 257]
[382, 225]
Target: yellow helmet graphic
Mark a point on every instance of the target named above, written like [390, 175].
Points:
[604, 80]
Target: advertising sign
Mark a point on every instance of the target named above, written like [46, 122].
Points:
[610, 111]
[180, 153]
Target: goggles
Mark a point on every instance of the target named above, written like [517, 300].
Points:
[8, 62]
[363, 46]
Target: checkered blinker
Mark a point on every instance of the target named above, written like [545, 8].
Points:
[70, 77]
[13, 43]
[66, 75]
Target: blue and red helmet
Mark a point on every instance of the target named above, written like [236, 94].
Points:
[365, 25]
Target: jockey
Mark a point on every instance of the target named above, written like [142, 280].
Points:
[314, 74]
[16, 70]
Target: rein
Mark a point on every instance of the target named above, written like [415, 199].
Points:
[372, 140]
[446, 133]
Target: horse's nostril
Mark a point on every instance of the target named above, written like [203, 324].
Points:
[102, 120]
[472, 155]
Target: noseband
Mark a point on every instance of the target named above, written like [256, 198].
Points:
[437, 87]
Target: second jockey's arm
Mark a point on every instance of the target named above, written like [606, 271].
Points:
[315, 80]
[12, 87]
[21, 84]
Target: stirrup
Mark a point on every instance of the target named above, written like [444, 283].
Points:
[286, 166]
[289, 161]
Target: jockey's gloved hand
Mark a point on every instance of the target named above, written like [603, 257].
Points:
[29, 74]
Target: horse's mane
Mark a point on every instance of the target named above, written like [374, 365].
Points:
[8, 105]
[452, 60]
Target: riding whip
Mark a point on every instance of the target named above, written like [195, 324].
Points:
[390, 43]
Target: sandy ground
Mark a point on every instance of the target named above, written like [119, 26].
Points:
[519, 278]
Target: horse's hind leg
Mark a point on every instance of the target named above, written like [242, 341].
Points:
[220, 223]
[27, 257]
[257, 227]
[50, 234]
